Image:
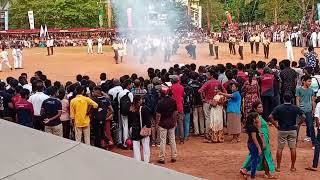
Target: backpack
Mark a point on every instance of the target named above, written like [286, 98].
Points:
[151, 99]
[125, 104]
[115, 103]
[187, 99]
[100, 114]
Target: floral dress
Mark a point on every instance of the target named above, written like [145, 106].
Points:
[251, 94]
[215, 134]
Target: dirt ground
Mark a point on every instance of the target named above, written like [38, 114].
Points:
[209, 161]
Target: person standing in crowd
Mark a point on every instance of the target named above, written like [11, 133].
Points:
[198, 114]
[187, 106]
[4, 58]
[17, 57]
[233, 112]
[305, 100]
[5, 100]
[215, 134]
[48, 45]
[166, 120]
[90, 45]
[266, 162]
[241, 43]
[178, 94]
[100, 42]
[99, 117]
[311, 57]
[252, 39]
[65, 116]
[251, 92]
[289, 47]
[284, 118]
[266, 47]
[79, 108]
[37, 99]
[51, 43]
[267, 91]
[288, 78]
[299, 71]
[51, 111]
[24, 109]
[140, 128]
[137, 90]
[207, 94]
[257, 43]
[211, 42]
[313, 38]
[233, 44]
[216, 47]
[125, 98]
[255, 143]
[317, 140]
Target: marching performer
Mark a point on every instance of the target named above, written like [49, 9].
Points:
[4, 58]
[17, 57]
[90, 44]
[100, 42]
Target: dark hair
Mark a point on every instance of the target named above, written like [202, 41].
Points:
[61, 94]
[229, 74]
[287, 97]
[286, 63]
[306, 78]
[39, 86]
[250, 119]
[134, 76]
[103, 76]
[230, 87]
[79, 90]
[137, 83]
[18, 89]
[24, 93]
[250, 75]
[240, 66]
[126, 83]
[136, 100]
[57, 84]
[47, 83]
[294, 64]
[255, 105]
[52, 91]
[193, 67]
[79, 77]
[2, 86]
[310, 48]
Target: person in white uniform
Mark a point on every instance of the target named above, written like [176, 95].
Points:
[4, 58]
[288, 45]
[314, 36]
[17, 57]
[100, 42]
[90, 44]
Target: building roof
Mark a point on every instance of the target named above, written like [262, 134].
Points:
[28, 154]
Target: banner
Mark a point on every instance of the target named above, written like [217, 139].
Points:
[31, 19]
[129, 14]
[101, 17]
[6, 20]
[318, 9]
[41, 32]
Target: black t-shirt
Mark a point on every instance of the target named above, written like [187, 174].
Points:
[5, 99]
[166, 107]
[251, 129]
[51, 107]
[286, 115]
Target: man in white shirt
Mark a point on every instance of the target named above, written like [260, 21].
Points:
[124, 118]
[282, 34]
[90, 44]
[288, 45]
[4, 58]
[257, 42]
[51, 43]
[37, 100]
[48, 45]
[314, 36]
[17, 57]
[100, 41]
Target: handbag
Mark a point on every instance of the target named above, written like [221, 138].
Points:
[145, 132]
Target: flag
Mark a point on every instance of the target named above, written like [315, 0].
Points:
[41, 31]
[46, 31]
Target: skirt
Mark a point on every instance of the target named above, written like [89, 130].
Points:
[234, 123]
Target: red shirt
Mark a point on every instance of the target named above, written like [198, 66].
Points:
[226, 84]
[177, 94]
[15, 99]
[243, 75]
[208, 89]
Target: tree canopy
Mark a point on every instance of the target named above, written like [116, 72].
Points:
[55, 13]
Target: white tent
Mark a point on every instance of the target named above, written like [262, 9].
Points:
[28, 154]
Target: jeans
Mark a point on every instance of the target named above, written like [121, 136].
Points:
[254, 161]
[186, 125]
[66, 127]
[310, 127]
[316, 151]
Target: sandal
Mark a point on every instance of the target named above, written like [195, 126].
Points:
[293, 169]
[243, 172]
[311, 169]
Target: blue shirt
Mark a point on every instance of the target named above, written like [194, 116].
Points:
[234, 103]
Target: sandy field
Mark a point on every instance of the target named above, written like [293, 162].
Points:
[209, 161]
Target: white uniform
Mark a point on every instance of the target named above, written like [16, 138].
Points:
[314, 39]
[4, 59]
[282, 36]
[288, 45]
[17, 58]
[318, 38]
[90, 43]
[100, 41]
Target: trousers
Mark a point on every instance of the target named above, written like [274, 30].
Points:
[146, 149]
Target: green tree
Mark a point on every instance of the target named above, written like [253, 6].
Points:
[55, 13]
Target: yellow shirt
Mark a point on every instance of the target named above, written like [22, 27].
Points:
[78, 110]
